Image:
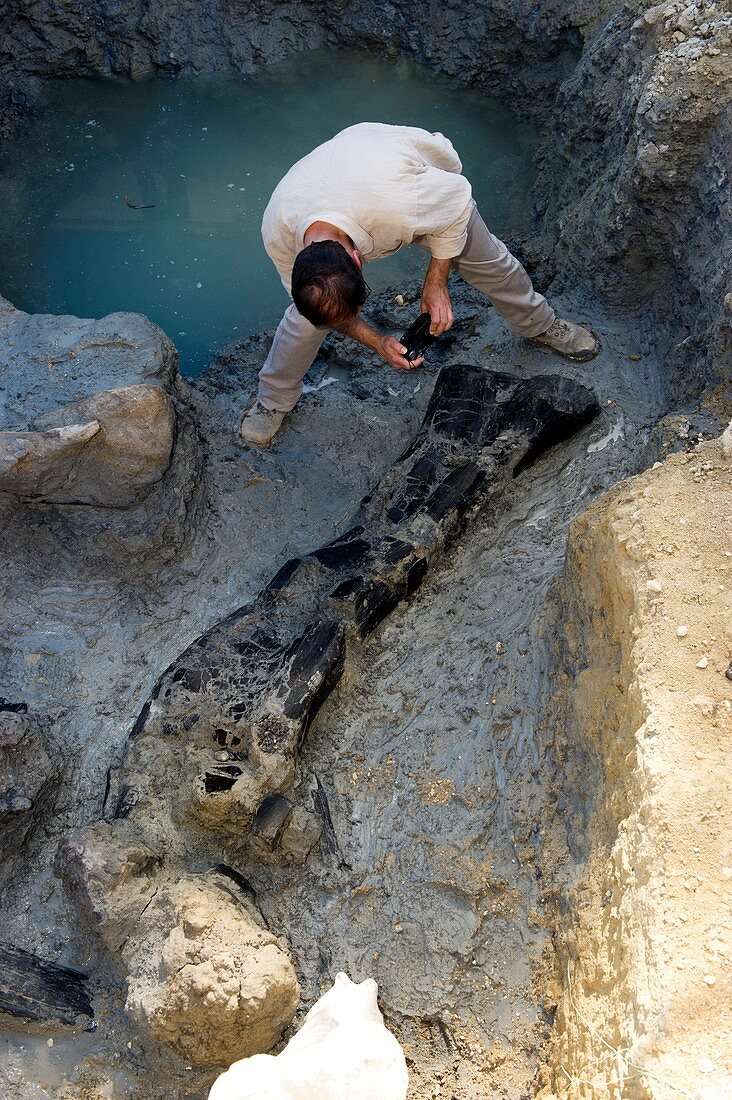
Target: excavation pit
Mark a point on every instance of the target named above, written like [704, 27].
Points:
[475, 811]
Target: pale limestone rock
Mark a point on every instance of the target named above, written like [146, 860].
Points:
[217, 986]
[342, 1050]
[85, 412]
[40, 464]
[203, 975]
[108, 449]
[110, 874]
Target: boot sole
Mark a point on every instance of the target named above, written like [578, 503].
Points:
[583, 357]
[257, 442]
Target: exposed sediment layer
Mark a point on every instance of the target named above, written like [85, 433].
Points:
[216, 746]
[634, 184]
[644, 956]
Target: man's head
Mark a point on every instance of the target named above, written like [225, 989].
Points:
[327, 285]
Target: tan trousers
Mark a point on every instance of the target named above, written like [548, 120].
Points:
[485, 263]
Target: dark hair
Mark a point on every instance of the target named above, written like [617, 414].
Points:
[327, 285]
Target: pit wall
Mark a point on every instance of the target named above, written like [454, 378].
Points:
[645, 1009]
[512, 47]
[634, 189]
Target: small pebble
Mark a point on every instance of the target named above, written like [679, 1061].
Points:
[223, 755]
[682, 631]
[49, 1042]
[654, 586]
[399, 299]
[634, 358]
[709, 979]
[683, 917]
[702, 663]
[499, 647]
[706, 1065]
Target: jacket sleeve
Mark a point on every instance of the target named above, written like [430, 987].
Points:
[445, 204]
[436, 150]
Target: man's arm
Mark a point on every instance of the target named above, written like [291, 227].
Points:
[436, 297]
[386, 346]
[445, 206]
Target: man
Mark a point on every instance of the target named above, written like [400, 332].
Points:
[362, 195]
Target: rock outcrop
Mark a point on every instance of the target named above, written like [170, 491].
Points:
[64, 439]
[633, 190]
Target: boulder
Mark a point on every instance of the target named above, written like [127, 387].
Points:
[203, 973]
[108, 450]
[85, 412]
[205, 976]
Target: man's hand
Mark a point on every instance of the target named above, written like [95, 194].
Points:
[387, 347]
[394, 353]
[436, 297]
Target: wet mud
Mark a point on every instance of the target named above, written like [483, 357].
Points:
[446, 816]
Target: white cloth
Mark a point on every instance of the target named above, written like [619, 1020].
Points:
[384, 186]
[343, 1051]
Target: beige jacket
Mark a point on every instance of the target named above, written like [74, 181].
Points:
[385, 186]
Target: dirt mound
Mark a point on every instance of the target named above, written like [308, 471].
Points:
[645, 959]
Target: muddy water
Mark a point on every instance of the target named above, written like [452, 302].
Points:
[205, 155]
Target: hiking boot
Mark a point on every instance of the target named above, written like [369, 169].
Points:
[260, 425]
[570, 340]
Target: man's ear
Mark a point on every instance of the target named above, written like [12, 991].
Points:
[356, 257]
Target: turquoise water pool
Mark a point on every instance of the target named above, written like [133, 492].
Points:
[204, 155]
